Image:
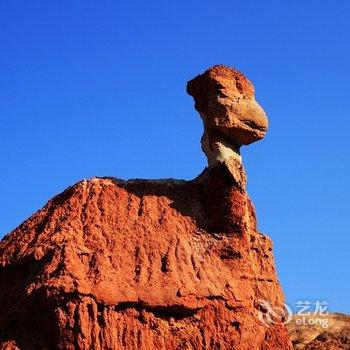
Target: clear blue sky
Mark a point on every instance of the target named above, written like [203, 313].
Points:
[98, 88]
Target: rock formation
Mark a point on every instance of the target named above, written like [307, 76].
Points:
[334, 336]
[225, 100]
[150, 264]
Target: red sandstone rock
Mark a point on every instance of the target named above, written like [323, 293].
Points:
[225, 100]
[141, 264]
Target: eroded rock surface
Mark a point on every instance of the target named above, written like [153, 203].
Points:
[333, 333]
[143, 264]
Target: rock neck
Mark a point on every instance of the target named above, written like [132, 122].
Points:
[220, 150]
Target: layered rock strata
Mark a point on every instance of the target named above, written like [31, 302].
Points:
[150, 264]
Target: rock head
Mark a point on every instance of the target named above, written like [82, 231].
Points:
[225, 100]
[150, 264]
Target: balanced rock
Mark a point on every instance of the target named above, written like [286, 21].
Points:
[225, 99]
[147, 264]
